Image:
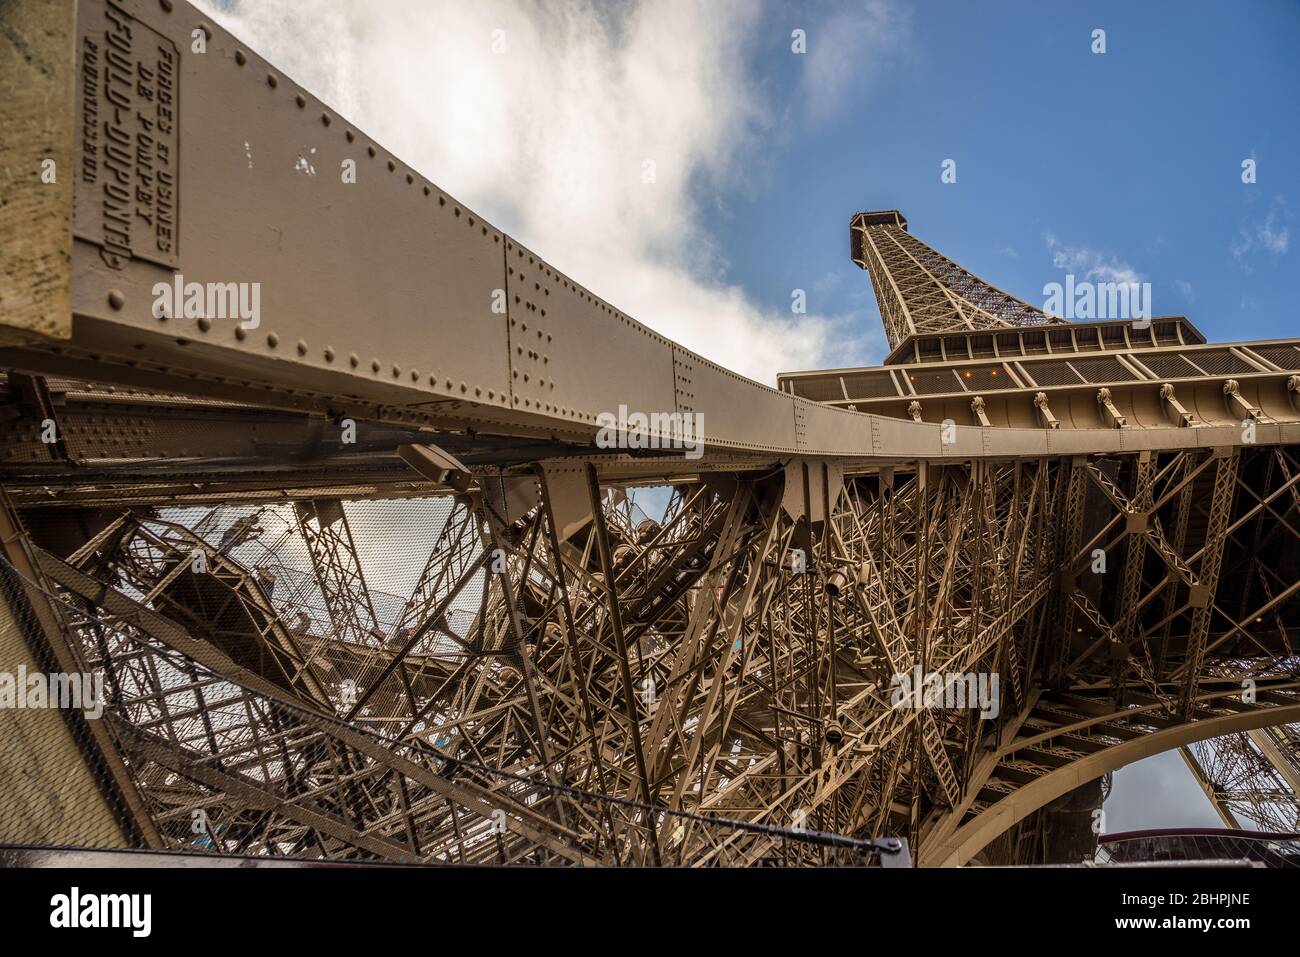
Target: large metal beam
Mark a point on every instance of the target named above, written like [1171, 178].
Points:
[232, 174]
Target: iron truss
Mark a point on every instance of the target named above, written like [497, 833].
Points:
[920, 290]
[730, 663]
[1095, 563]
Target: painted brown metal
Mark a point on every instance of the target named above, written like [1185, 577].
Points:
[711, 686]
[922, 291]
[244, 175]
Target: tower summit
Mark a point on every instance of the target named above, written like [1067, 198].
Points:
[921, 291]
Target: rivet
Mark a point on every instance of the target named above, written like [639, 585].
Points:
[329, 354]
[354, 360]
[350, 136]
[392, 167]
[371, 151]
[204, 323]
[325, 118]
[302, 347]
[374, 365]
[166, 5]
[397, 370]
[272, 81]
[272, 339]
[415, 375]
[240, 333]
[240, 58]
[301, 101]
[116, 299]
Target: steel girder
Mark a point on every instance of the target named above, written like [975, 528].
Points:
[1251, 777]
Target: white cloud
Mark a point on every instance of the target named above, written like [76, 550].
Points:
[850, 46]
[1090, 263]
[1271, 235]
[548, 138]
[1185, 289]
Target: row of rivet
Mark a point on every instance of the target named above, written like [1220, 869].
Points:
[117, 299]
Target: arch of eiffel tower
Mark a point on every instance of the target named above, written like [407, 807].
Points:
[365, 575]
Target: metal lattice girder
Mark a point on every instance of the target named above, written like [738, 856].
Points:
[1251, 776]
[324, 526]
[264, 775]
[922, 291]
[193, 583]
[761, 691]
[1203, 592]
[407, 657]
[1071, 738]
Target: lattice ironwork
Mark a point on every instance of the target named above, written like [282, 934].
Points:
[922, 291]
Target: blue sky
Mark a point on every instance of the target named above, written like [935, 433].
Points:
[1133, 156]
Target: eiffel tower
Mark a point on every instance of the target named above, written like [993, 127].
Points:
[370, 572]
[1155, 630]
